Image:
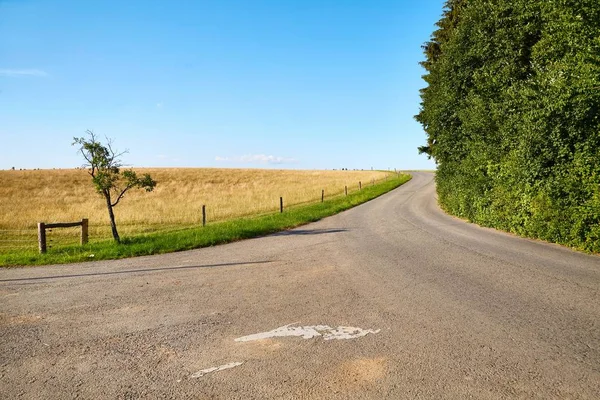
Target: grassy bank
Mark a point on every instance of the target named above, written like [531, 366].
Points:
[212, 234]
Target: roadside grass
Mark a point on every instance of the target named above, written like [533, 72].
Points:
[210, 235]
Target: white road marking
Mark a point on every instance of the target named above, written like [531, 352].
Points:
[216, 369]
[309, 332]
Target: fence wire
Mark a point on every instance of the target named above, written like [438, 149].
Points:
[25, 239]
[17, 240]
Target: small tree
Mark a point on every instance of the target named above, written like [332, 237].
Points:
[104, 166]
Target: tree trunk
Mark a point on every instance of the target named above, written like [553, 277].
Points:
[111, 214]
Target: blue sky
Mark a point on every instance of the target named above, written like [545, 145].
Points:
[262, 83]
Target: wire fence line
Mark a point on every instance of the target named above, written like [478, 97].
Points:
[313, 200]
[22, 239]
[17, 239]
[27, 239]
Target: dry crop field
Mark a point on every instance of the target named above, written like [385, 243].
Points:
[67, 195]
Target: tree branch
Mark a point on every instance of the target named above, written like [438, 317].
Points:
[120, 196]
[113, 159]
[89, 162]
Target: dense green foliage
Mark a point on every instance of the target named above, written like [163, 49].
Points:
[210, 235]
[511, 114]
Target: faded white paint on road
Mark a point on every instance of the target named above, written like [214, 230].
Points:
[309, 332]
[305, 332]
[203, 372]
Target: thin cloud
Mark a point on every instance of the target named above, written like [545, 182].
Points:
[23, 72]
[257, 159]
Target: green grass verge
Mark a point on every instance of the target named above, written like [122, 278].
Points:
[210, 235]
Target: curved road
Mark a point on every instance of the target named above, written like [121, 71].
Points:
[449, 311]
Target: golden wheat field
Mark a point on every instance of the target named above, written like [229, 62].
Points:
[67, 195]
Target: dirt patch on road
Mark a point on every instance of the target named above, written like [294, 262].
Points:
[360, 372]
[6, 319]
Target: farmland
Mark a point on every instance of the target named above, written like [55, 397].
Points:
[28, 197]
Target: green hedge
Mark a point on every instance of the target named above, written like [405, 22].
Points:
[511, 112]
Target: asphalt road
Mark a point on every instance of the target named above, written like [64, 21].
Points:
[448, 310]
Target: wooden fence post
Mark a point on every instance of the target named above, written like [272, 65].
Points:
[42, 237]
[322, 195]
[346, 190]
[203, 215]
[281, 204]
[42, 226]
[359, 185]
[84, 231]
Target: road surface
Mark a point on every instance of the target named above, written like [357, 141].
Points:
[392, 299]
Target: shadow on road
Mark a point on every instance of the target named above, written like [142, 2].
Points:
[132, 271]
[308, 232]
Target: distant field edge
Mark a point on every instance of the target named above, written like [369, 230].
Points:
[210, 235]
